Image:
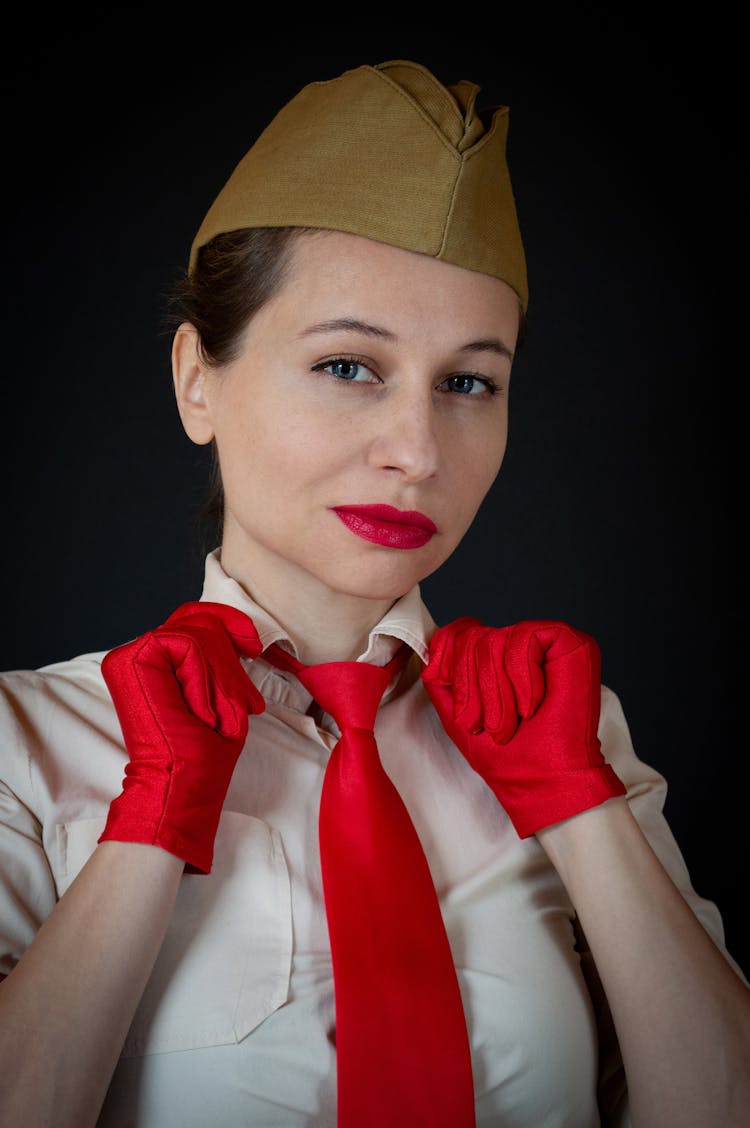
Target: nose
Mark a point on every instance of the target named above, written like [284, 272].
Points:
[406, 440]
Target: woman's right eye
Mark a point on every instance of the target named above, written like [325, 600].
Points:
[347, 368]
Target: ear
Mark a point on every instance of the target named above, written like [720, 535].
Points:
[189, 376]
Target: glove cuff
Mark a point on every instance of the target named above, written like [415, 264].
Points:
[139, 814]
[535, 804]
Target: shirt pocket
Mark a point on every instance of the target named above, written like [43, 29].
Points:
[225, 963]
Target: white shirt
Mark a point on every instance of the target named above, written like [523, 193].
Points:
[236, 1024]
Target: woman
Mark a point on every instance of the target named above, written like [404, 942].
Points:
[353, 374]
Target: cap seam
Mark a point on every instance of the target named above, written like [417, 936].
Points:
[464, 160]
[414, 105]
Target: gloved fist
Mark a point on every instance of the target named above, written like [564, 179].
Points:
[182, 699]
[522, 704]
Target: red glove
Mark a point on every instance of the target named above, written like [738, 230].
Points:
[183, 699]
[522, 704]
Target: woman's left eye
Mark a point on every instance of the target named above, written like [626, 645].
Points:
[346, 368]
[466, 385]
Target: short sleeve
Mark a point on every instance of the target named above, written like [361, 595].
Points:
[27, 886]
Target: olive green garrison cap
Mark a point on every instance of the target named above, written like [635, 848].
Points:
[390, 153]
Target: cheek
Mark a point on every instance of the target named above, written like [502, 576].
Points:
[278, 453]
[473, 479]
[478, 462]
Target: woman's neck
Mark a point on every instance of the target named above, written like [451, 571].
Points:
[324, 625]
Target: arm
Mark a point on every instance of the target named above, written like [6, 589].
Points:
[66, 1007]
[681, 1013]
[182, 699]
[522, 704]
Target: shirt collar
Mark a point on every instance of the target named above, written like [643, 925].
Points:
[408, 620]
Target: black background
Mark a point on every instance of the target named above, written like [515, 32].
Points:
[619, 504]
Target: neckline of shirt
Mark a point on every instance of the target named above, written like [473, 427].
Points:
[407, 621]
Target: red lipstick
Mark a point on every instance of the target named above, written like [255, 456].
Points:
[382, 524]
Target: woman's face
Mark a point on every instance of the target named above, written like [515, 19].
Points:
[375, 377]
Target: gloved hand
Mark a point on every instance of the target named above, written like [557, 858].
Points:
[522, 704]
[183, 699]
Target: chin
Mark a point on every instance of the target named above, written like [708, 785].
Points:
[382, 580]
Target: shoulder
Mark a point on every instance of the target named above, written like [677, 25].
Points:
[55, 715]
[60, 685]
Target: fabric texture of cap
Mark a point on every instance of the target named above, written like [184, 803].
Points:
[390, 153]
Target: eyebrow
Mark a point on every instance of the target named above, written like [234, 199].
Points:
[488, 344]
[349, 325]
[354, 325]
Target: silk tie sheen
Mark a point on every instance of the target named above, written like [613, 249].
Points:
[402, 1047]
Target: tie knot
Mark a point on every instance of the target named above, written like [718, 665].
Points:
[350, 691]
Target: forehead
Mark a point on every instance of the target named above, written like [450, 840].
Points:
[335, 273]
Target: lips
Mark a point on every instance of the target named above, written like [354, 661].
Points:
[384, 525]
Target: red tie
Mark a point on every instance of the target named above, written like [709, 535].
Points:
[401, 1041]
